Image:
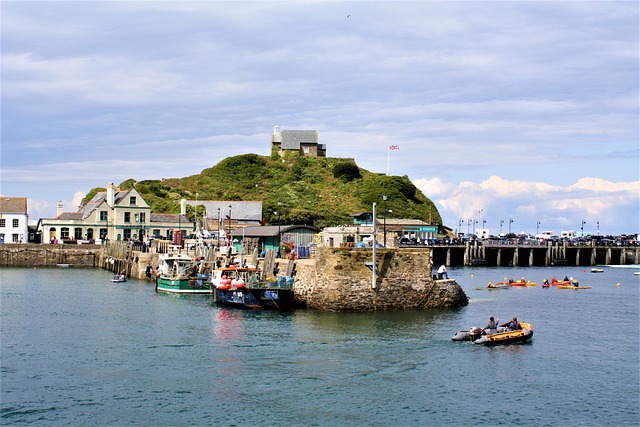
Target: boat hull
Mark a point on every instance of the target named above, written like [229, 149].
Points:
[255, 299]
[508, 337]
[184, 285]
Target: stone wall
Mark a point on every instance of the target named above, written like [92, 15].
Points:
[339, 280]
[45, 255]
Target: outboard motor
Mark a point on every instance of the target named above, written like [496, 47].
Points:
[475, 333]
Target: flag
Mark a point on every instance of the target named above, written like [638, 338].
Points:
[393, 147]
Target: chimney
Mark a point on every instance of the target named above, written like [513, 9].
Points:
[60, 208]
[110, 195]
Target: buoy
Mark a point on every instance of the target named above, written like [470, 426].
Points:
[584, 271]
[505, 279]
[35, 268]
[618, 284]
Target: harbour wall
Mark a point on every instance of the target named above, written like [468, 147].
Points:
[46, 255]
[340, 279]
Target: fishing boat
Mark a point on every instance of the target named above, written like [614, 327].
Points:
[576, 287]
[119, 278]
[241, 287]
[178, 273]
[506, 336]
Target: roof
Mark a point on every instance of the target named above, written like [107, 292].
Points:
[162, 217]
[269, 230]
[17, 205]
[67, 216]
[251, 210]
[291, 139]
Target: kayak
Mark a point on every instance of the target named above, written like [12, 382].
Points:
[527, 283]
[573, 287]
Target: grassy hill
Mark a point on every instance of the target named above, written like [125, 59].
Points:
[315, 191]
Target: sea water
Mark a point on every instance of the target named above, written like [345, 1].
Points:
[77, 349]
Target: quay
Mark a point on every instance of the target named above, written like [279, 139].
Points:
[497, 254]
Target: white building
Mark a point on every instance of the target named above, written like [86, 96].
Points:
[14, 219]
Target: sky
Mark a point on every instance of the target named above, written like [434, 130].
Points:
[520, 116]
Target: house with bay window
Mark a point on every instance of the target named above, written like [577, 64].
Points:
[14, 227]
[115, 215]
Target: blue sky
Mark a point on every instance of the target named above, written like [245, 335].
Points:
[523, 111]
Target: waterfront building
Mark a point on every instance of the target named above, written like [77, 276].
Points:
[113, 214]
[14, 219]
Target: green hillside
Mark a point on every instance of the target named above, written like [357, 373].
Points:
[315, 191]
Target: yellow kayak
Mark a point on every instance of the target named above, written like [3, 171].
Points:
[572, 287]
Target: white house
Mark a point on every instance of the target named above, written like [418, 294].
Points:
[14, 227]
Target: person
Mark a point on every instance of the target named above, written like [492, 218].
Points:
[566, 279]
[513, 325]
[492, 326]
[442, 272]
[149, 270]
[491, 285]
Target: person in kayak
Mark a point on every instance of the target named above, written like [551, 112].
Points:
[513, 325]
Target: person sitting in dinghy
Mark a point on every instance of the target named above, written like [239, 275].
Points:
[513, 325]
[492, 326]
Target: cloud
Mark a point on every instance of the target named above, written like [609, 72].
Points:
[611, 207]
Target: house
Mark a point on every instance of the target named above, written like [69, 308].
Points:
[14, 219]
[113, 214]
[304, 142]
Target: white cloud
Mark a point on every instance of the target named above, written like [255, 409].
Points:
[611, 207]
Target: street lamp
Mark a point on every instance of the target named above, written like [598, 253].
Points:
[538, 228]
[582, 228]
[279, 235]
[598, 225]
[468, 225]
[384, 226]
[484, 221]
[510, 222]
[460, 222]
[229, 228]
[501, 222]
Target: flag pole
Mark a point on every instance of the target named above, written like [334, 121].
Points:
[388, 153]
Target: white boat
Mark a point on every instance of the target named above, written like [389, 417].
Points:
[597, 270]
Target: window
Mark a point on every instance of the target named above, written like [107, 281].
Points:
[1, 237]
[3, 222]
[127, 217]
[305, 149]
[77, 233]
[142, 217]
[103, 215]
[14, 238]
[103, 233]
[64, 233]
[16, 223]
[132, 200]
[89, 233]
[156, 232]
[127, 234]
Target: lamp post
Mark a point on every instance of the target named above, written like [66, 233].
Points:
[501, 222]
[279, 235]
[582, 228]
[229, 228]
[384, 226]
[468, 225]
[510, 222]
[218, 229]
[537, 228]
[598, 225]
